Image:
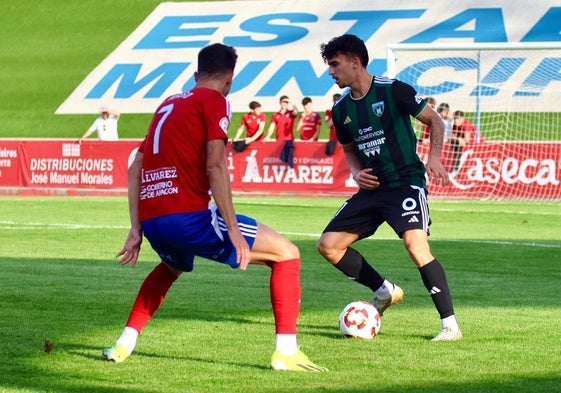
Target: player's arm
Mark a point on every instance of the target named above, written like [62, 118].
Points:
[89, 131]
[363, 177]
[435, 169]
[315, 137]
[85, 135]
[239, 132]
[300, 123]
[113, 112]
[131, 249]
[257, 134]
[219, 179]
[269, 136]
[328, 120]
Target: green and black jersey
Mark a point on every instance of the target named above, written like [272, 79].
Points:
[378, 126]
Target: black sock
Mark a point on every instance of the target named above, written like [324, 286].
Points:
[356, 268]
[435, 281]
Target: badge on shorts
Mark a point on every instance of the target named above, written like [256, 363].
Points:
[378, 108]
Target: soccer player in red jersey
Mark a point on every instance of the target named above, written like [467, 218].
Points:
[179, 165]
[332, 142]
[309, 123]
[253, 123]
[463, 134]
[283, 123]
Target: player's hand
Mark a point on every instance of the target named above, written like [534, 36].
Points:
[365, 179]
[131, 249]
[243, 253]
[436, 172]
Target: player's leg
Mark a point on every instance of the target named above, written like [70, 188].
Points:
[434, 278]
[283, 257]
[148, 300]
[164, 234]
[354, 221]
[410, 218]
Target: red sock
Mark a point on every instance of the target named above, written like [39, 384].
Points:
[285, 295]
[150, 296]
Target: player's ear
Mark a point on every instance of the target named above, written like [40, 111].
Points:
[196, 75]
[355, 60]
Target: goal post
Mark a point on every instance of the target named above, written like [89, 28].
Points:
[511, 93]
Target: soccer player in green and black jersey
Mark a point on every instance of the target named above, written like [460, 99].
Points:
[373, 124]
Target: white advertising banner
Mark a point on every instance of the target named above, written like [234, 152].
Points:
[278, 44]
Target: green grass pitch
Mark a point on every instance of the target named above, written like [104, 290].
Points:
[59, 279]
[61, 282]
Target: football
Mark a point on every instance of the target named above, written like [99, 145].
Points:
[360, 319]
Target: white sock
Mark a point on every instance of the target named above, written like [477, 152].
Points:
[385, 290]
[450, 323]
[286, 344]
[128, 338]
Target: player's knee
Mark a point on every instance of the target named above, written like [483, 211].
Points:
[420, 254]
[285, 250]
[325, 248]
[292, 252]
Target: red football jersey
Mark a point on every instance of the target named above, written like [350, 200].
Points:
[310, 122]
[284, 123]
[252, 122]
[174, 176]
[332, 132]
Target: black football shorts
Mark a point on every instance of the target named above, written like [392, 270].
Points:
[403, 209]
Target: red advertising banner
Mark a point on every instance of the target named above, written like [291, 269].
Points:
[499, 170]
[514, 170]
[43, 166]
[260, 168]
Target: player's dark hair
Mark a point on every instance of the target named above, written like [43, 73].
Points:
[443, 107]
[216, 59]
[306, 100]
[347, 44]
[430, 100]
[254, 104]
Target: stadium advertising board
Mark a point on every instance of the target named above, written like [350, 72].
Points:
[278, 45]
[489, 170]
[44, 166]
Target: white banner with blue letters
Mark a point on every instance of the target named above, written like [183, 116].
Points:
[278, 45]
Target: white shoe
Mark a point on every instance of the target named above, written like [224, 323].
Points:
[448, 334]
[382, 304]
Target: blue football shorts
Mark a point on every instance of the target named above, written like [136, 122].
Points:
[403, 209]
[178, 238]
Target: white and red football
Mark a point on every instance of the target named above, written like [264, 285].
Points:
[360, 319]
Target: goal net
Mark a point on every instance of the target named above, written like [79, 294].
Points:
[503, 136]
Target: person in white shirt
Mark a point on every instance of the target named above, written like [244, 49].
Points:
[105, 126]
[443, 111]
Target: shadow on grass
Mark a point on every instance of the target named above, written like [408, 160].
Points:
[52, 296]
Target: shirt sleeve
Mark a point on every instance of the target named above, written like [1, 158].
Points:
[94, 125]
[217, 117]
[407, 98]
[343, 137]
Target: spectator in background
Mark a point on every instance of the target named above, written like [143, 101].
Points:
[463, 132]
[310, 122]
[105, 125]
[332, 142]
[253, 123]
[443, 111]
[283, 123]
